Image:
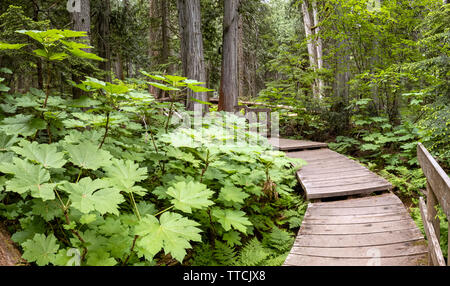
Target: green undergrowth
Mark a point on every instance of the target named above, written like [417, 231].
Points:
[117, 178]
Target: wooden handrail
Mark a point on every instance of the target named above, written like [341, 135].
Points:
[438, 193]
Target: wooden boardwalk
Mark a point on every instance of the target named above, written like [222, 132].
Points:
[370, 230]
[374, 230]
[329, 174]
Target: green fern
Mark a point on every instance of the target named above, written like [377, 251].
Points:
[224, 254]
[253, 254]
[203, 256]
[277, 260]
[278, 239]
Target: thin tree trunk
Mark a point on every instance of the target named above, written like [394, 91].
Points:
[319, 46]
[241, 62]
[165, 32]
[312, 51]
[81, 21]
[152, 39]
[40, 77]
[192, 49]
[119, 68]
[103, 39]
[228, 97]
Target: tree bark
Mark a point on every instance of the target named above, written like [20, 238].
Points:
[81, 21]
[152, 39]
[319, 47]
[229, 90]
[165, 32]
[192, 49]
[104, 46]
[241, 62]
[308, 22]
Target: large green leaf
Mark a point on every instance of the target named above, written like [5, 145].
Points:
[87, 156]
[41, 249]
[43, 37]
[7, 141]
[232, 194]
[85, 55]
[196, 88]
[44, 154]
[162, 86]
[28, 177]
[191, 195]
[87, 196]
[124, 175]
[231, 218]
[6, 46]
[172, 233]
[25, 125]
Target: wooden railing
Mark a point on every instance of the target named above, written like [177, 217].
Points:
[438, 193]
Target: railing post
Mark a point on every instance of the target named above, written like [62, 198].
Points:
[432, 202]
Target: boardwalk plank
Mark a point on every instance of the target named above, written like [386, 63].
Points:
[364, 228]
[383, 199]
[345, 182]
[319, 211]
[410, 260]
[364, 188]
[390, 250]
[289, 144]
[352, 240]
[358, 219]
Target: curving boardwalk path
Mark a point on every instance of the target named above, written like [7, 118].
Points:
[373, 230]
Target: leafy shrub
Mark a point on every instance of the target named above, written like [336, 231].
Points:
[110, 179]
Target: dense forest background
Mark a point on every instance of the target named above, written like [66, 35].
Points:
[372, 78]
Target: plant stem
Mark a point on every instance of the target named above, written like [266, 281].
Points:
[79, 175]
[138, 215]
[169, 208]
[77, 234]
[170, 116]
[206, 166]
[131, 249]
[47, 88]
[106, 130]
[74, 231]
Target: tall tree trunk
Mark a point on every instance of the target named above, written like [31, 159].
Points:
[165, 32]
[81, 21]
[192, 49]
[308, 22]
[152, 39]
[119, 67]
[165, 49]
[319, 46]
[40, 77]
[104, 46]
[241, 62]
[228, 96]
